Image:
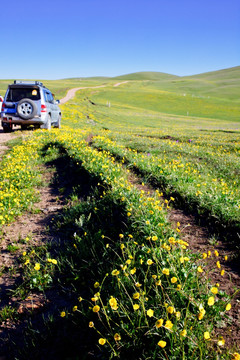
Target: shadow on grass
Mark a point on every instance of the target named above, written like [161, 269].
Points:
[78, 243]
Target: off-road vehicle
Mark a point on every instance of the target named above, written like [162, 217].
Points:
[29, 103]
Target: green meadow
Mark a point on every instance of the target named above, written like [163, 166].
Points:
[118, 279]
[168, 102]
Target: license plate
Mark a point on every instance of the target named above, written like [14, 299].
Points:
[10, 111]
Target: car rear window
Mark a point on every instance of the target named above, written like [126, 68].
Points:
[17, 94]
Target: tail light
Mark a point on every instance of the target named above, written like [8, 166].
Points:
[43, 108]
[3, 106]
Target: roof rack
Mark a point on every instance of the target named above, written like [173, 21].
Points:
[28, 82]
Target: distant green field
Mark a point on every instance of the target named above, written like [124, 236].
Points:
[221, 84]
[141, 97]
[153, 98]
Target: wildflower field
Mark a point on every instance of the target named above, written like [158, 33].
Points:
[132, 286]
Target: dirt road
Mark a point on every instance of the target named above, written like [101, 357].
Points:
[71, 93]
[4, 138]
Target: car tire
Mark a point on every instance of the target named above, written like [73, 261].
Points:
[48, 123]
[7, 128]
[58, 125]
[26, 109]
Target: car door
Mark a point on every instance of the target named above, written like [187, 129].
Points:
[54, 108]
[49, 104]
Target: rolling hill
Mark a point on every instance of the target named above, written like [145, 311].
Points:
[147, 75]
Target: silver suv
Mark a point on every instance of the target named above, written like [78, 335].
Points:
[29, 103]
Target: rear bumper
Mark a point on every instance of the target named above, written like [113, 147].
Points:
[6, 119]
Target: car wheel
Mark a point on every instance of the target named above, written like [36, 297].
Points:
[26, 109]
[48, 123]
[59, 121]
[7, 128]
[23, 127]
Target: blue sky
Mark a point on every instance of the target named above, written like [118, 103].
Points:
[52, 39]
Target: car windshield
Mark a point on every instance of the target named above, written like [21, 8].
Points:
[17, 94]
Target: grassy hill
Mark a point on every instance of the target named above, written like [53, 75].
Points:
[212, 95]
[224, 84]
[146, 75]
[219, 75]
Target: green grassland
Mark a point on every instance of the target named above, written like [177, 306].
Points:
[221, 84]
[168, 101]
[134, 286]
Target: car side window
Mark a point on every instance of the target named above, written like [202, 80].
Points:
[51, 98]
[48, 97]
[45, 96]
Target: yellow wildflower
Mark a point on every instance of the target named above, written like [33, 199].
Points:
[136, 296]
[150, 313]
[113, 303]
[102, 341]
[228, 307]
[159, 323]
[165, 271]
[117, 337]
[214, 290]
[115, 272]
[201, 313]
[211, 301]
[96, 308]
[183, 332]
[91, 324]
[162, 343]
[178, 315]
[168, 324]
[221, 342]
[206, 335]
[170, 309]
[236, 356]
[135, 307]
[172, 240]
[37, 266]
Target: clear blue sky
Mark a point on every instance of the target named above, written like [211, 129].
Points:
[54, 39]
